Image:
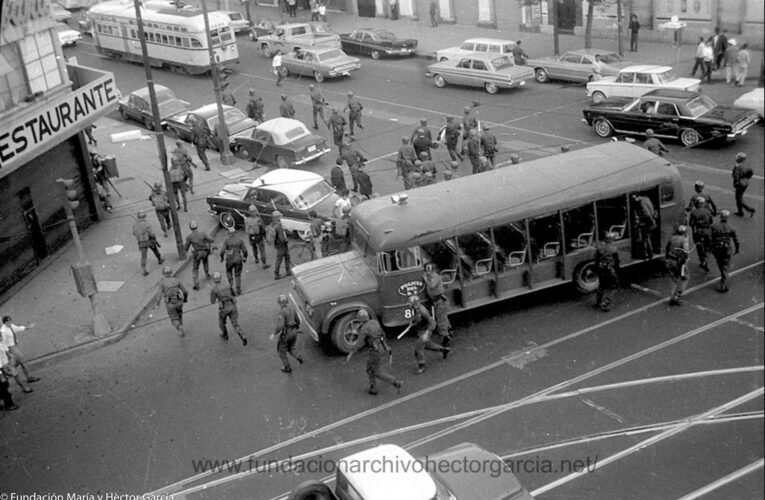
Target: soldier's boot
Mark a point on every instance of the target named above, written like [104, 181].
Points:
[445, 352]
[224, 334]
[265, 266]
[299, 360]
[287, 369]
[161, 260]
[181, 331]
[196, 283]
[420, 369]
[398, 384]
[144, 271]
[373, 390]
[243, 338]
[704, 266]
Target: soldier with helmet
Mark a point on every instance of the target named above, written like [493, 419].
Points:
[281, 243]
[180, 154]
[286, 109]
[178, 179]
[405, 161]
[700, 222]
[423, 324]
[256, 232]
[255, 106]
[424, 127]
[224, 295]
[722, 235]
[199, 242]
[472, 149]
[422, 144]
[161, 204]
[452, 137]
[698, 188]
[287, 324]
[489, 144]
[645, 223]
[676, 257]
[434, 289]
[354, 108]
[336, 123]
[607, 268]
[372, 338]
[235, 252]
[146, 239]
[741, 175]
[469, 122]
[175, 295]
[342, 227]
[355, 161]
[317, 104]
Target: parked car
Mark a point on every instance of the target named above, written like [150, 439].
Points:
[137, 106]
[283, 142]
[182, 124]
[261, 28]
[320, 63]
[66, 35]
[58, 13]
[576, 65]
[293, 192]
[690, 117]
[287, 37]
[376, 42]
[490, 71]
[238, 21]
[489, 45]
[754, 100]
[634, 81]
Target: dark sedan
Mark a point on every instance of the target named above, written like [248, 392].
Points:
[283, 142]
[690, 117]
[137, 106]
[182, 125]
[376, 42]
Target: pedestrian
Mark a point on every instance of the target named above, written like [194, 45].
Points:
[645, 222]
[729, 60]
[709, 61]
[634, 28]
[317, 103]
[336, 124]
[700, 221]
[519, 55]
[433, 11]
[292, 8]
[676, 256]
[742, 64]
[89, 133]
[365, 183]
[199, 242]
[653, 144]
[437, 302]
[199, 138]
[336, 176]
[597, 68]
[720, 44]
[342, 229]
[423, 126]
[175, 295]
[5, 393]
[341, 203]
[316, 229]
[423, 325]
[146, 239]
[227, 310]
[469, 121]
[314, 10]
[256, 232]
[355, 160]
[178, 180]
[452, 137]
[489, 145]
[741, 175]
[722, 235]
[235, 252]
[286, 109]
[322, 12]
[472, 149]
[354, 108]
[9, 342]
[255, 108]
[158, 198]
[281, 243]
[372, 338]
[698, 59]
[287, 325]
[277, 68]
[698, 188]
[607, 268]
[421, 143]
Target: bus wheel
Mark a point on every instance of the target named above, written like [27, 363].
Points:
[227, 219]
[300, 253]
[345, 334]
[311, 490]
[603, 128]
[689, 137]
[585, 277]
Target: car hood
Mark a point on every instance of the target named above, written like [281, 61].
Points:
[335, 277]
[171, 108]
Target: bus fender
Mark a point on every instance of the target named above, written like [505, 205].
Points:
[338, 311]
[312, 490]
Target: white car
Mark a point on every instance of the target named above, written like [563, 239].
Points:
[752, 100]
[634, 81]
[486, 45]
[66, 35]
[238, 21]
[58, 13]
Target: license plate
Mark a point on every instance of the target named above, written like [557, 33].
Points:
[311, 149]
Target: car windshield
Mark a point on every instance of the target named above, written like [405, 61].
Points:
[665, 77]
[313, 194]
[611, 58]
[699, 105]
[385, 35]
[502, 63]
[332, 54]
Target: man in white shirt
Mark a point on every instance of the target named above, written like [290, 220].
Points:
[276, 64]
[5, 394]
[9, 342]
[597, 68]
[342, 202]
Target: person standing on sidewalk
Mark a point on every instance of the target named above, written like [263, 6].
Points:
[227, 309]
[199, 138]
[277, 68]
[161, 204]
[634, 28]
[287, 324]
[433, 11]
[9, 339]
[698, 59]
[256, 232]
[235, 252]
[175, 295]
[372, 338]
[742, 64]
[741, 175]
[146, 239]
[354, 108]
[200, 243]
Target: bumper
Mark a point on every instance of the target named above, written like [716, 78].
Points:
[319, 153]
[305, 323]
[400, 52]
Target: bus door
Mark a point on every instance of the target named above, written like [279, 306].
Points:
[645, 223]
[511, 258]
[444, 257]
[579, 232]
[545, 241]
[400, 274]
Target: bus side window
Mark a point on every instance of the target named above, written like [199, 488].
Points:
[511, 248]
[579, 227]
[545, 237]
[476, 249]
[441, 255]
[408, 258]
[612, 217]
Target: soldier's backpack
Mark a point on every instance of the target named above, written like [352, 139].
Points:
[160, 201]
[176, 174]
[270, 234]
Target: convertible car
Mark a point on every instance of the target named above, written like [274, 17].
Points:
[283, 142]
[376, 42]
[576, 65]
[137, 106]
[320, 63]
[182, 125]
[634, 81]
[690, 117]
[293, 192]
[490, 71]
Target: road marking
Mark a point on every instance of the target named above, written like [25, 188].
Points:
[725, 480]
[602, 409]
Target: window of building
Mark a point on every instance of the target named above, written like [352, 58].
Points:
[39, 56]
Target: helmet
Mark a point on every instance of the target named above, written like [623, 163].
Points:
[467, 109]
[649, 132]
[216, 277]
[251, 92]
[564, 149]
[486, 127]
[231, 229]
[312, 86]
[449, 118]
[454, 165]
[423, 121]
[417, 176]
[424, 154]
[405, 140]
[350, 94]
[252, 209]
[740, 157]
[414, 299]
[346, 209]
[515, 158]
[473, 133]
[700, 201]
[447, 174]
[193, 225]
[362, 315]
[339, 161]
[681, 229]
[284, 97]
[334, 110]
[167, 271]
[724, 215]
[417, 163]
[429, 267]
[179, 143]
[421, 132]
[275, 214]
[158, 185]
[282, 300]
[141, 215]
[699, 185]
[429, 175]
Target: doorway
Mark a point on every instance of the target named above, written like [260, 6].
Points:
[33, 223]
[566, 15]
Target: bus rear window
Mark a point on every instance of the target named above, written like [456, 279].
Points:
[667, 193]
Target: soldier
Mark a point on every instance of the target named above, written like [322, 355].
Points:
[469, 122]
[722, 234]
[653, 144]
[473, 151]
[181, 157]
[226, 96]
[452, 137]
[607, 268]
[676, 256]
[372, 338]
[281, 244]
[354, 108]
[175, 295]
[405, 161]
[181, 153]
[422, 144]
[235, 252]
[286, 109]
[336, 176]
[489, 145]
[700, 221]
[355, 160]
[317, 102]
[199, 138]
[255, 107]
[434, 289]
[336, 124]
[287, 324]
[741, 176]
[342, 227]
[200, 244]
[645, 220]
[698, 187]
[424, 127]
[146, 240]
[161, 204]
[224, 294]
[365, 183]
[317, 233]
[178, 179]
[256, 232]
[423, 324]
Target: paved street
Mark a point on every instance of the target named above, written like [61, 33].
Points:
[660, 402]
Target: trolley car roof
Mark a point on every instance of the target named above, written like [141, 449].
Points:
[529, 189]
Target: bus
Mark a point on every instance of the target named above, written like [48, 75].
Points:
[492, 236]
[175, 37]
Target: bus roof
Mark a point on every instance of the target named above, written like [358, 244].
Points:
[529, 189]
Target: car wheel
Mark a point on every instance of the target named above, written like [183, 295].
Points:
[148, 123]
[265, 49]
[689, 137]
[439, 81]
[491, 88]
[603, 128]
[375, 54]
[541, 75]
[301, 253]
[318, 76]
[585, 277]
[281, 162]
[227, 219]
[123, 114]
[443, 59]
[345, 333]
[285, 72]
[598, 96]
[243, 152]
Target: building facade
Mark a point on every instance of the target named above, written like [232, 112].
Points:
[45, 105]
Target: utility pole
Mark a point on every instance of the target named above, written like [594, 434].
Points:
[226, 158]
[556, 45]
[619, 25]
[159, 135]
